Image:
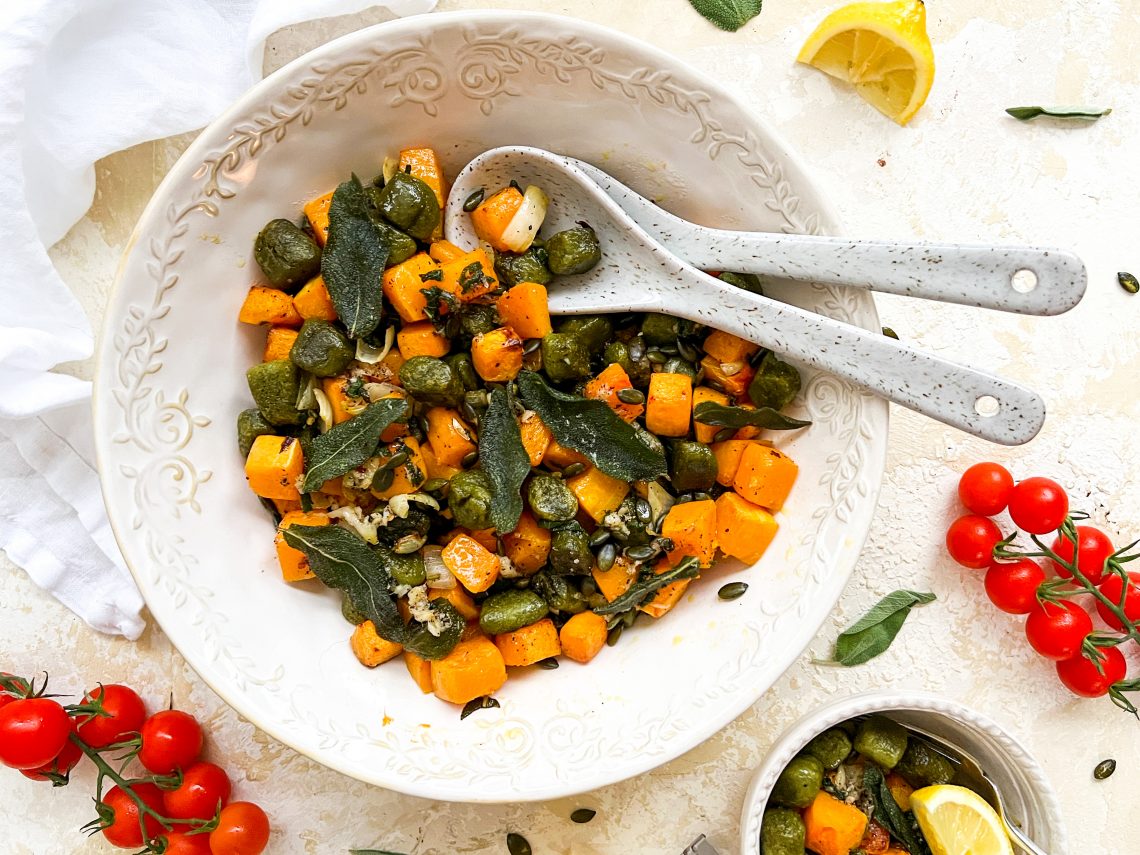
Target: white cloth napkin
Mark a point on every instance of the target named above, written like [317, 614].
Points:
[82, 79]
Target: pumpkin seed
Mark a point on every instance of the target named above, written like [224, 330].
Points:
[484, 703]
[409, 543]
[643, 511]
[630, 618]
[583, 815]
[614, 634]
[383, 479]
[518, 187]
[531, 346]
[687, 351]
[701, 496]
[682, 499]
[1128, 282]
[639, 553]
[596, 601]
[670, 349]
[657, 357]
[588, 587]
[433, 485]
[469, 413]
[631, 396]
[548, 664]
[1104, 769]
[470, 458]
[516, 843]
[732, 591]
[607, 556]
[472, 201]
[890, 333]
[573, 469]
[396, 460]
[599, 537]
[724, 434]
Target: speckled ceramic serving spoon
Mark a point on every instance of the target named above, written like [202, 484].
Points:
[639, 274]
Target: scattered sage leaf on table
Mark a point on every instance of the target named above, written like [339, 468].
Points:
[345, 446]
[1128, 282]
[687, 568]
[1088, 114]
[504, 459]
[873, 633]
[721, 415]
[353, 261]
[729, 15]
[593, 429]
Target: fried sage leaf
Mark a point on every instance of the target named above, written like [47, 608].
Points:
[354, 259]
[1088, 114]
[729, 15]
[873, 633]
[593, 429]
[720, 415]
[887, 811]
[687, 568]
[504, 459]
[347, 445]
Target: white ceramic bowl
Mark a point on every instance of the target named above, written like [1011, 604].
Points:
[170, 384]
[1028, 795]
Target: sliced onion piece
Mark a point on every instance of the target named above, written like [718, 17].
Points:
[439, 578]
[389, 168]
[324, 409]
[370, 355]
[524, 225]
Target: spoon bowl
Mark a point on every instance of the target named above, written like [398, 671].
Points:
[637, 273]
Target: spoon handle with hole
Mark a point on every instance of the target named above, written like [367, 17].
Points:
[972, 275]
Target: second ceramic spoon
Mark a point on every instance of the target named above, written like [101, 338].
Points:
[638, 274]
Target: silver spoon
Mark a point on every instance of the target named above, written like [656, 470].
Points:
[980, 783]
[637, 273]
[1023, 279]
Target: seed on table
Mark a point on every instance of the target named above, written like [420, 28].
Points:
[1128, 282]
[1104, 769]
[732, 591]
[890, 333]
[631, 396]
[583, 815]
[517, 844]
[472, 201]
[607, 557]
[573, 469]
[469, 459]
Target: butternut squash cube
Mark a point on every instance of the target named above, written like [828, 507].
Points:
[404, 286]
[409, 477]
[294, 563]
[530, 644]
[314, 301]
[665, 598]
[559, 456]
[420, 670]
[370, 648]
[274, 466]
[435, 469]
[617, 580]
[597, 492]
[670, 404]
[528, 546]
[730, 377]
[494, 214]
[269, 306]
[278, 343]
[317, 213]
[536, 437]
[497, 355]
[525, 309]
[444, 251]
[692, 528]
[728, 454]
[473, 669]
[421, 339]
[449, 436]
[471, 563]
[605, 387]
[726, 347]
[765, 476]
[458, 598]
[744, 530]
[470, 276]
[701, 395]
[583, 636]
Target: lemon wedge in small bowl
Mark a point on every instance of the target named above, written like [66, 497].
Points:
[957, 821]
[882, 49]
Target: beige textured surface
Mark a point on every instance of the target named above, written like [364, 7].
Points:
[961, 171]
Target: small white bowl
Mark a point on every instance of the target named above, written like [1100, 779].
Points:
[1029, 797]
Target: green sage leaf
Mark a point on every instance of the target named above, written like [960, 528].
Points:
[345, 446]
[712, 413]
[504, 459]
[729, 15]
[1088, 114]
[887, 811]
[353, 261]
[687, 568]
[873, 633]
[593, 429]
[373, 852]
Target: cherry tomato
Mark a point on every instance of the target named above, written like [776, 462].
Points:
[1081, 677]
[180, 843]
[1093, 549]
[985, 488]
[171, 739]
[32, 732]
[1112, 587]
[123, 829]
[61, 764]
[243, 829]
[1038, 505]
[1012, 586]
[971, 539]
[204, 785]
[1056, 630]
[125, 715]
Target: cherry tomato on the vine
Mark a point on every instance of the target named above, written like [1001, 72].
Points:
[32, 732]
[1012, 586]
[1038, 505]
[181, 843]
[203, 787]
[1093, 549]
[1081, 676]
[243, 829]
[1112, 587]
[171, 739]
[1057, 630]
[61, 764]
[971, 539]
[121, 815]
[125, 714]
[985, 488]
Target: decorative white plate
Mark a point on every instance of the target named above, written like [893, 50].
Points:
[171, 382]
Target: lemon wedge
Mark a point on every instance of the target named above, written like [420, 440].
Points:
[882, 49]
[957, 821]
